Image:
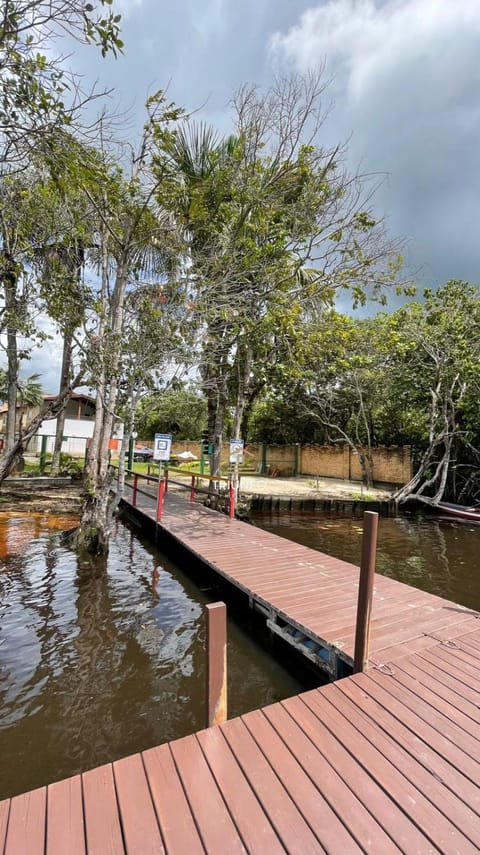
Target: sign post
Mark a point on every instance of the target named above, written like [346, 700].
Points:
[235, 457]
[161, 452]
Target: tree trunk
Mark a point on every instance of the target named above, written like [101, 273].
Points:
[94, 532]
[95, 525]
[245, 358]
[9, 459]
[216, 408]
[64, 382]
[10, 284]
[366, 462]
[125, 443]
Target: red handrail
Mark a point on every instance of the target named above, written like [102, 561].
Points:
[160, 499]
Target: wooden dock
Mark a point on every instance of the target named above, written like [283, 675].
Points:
[309, 598]
[386, 761]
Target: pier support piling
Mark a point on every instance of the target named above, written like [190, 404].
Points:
[216, 615]
[365, 591]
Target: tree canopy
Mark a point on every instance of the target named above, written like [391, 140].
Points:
[218, 259]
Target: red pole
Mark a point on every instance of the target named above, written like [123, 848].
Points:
[231, 501]
[192, 489]
[161, 494]
[216, 663]
[134, 492]
[166, 480]
[365, 591]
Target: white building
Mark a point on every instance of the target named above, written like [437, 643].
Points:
[78, 428]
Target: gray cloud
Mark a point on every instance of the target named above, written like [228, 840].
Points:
[406, 84]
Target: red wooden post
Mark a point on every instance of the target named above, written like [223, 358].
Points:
[216, 614]
[161, 494]
[231, 500]
[166, 480]
[192, 489]
[365, 591]
[135, 490]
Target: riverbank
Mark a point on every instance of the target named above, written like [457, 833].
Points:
[303, 493]
[305, 486]
[42, 495]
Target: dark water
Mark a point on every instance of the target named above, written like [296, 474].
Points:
[437, 556]
[95, 667]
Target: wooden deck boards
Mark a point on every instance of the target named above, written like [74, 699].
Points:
[379, 762]
[315, 592]
[382, 762]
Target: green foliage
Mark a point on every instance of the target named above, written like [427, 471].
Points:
[257, 208]
[406, 378]
[37, 89]
[29, 390]
[71, 467]
[179, 412]
[281, 421]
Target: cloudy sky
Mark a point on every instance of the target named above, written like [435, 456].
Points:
[405, 88]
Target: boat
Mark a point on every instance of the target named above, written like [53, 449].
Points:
[458, 512]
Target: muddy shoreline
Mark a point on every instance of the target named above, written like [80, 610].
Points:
[42, 495]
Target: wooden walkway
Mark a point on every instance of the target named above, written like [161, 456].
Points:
[312, 592]
[382, 762]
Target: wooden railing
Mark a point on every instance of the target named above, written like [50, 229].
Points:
[163, 482]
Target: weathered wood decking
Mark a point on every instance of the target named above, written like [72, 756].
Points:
[381, 762]
[311, 591]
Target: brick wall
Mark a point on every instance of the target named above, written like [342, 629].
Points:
[390, 465]
[280, 459]
[329, 461]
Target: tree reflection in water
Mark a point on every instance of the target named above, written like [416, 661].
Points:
[437, 556]
[102, 660]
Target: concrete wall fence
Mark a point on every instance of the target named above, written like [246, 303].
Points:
[391, 465]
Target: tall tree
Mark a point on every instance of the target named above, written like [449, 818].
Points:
[135, 239]
[441, 343]
[257, 207]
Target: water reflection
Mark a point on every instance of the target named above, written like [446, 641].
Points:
[438, 556]
[97, 663]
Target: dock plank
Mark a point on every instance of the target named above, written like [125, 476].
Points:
[396, 824]
[139, 823]
[4, 814]
[429, 679]
[212, 816]
[454, 755]
[434, 825]
[420, 749]
[175, 818]
[102, 819]
[65, 824]
[432, 716]
[309, 799]
[255, 829]
[293, 830]
[362, 825]
[454, 811]
[26, 824]
[451, 708]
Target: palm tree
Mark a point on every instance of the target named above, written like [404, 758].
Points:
[29, 394]
[202, 166]
[29, 390]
